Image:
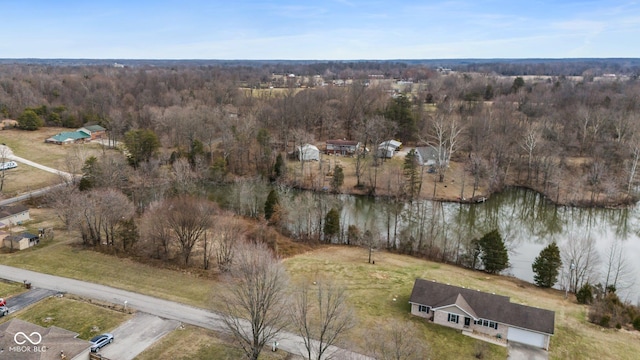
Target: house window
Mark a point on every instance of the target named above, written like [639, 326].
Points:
[453, 318]
[423, 308]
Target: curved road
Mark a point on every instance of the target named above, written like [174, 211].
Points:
[159, 307]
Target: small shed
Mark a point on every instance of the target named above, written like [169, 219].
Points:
[308, 152]
[387, 148]
[21, 241]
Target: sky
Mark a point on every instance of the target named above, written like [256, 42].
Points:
[318, 30]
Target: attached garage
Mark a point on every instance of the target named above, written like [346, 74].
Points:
[527, 337]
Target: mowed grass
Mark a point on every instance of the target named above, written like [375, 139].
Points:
[194, 343]
[78, 316]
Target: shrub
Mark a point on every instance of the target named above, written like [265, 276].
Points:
[585, 294]
[636, 323]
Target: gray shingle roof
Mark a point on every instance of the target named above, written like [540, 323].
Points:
[484, 305]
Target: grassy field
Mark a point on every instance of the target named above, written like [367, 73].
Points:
[78, 316]
[30, 145]
[193, 343]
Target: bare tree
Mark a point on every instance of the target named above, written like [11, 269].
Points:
[443, 138]
[255, 300]
[618, 271]
[154, 232]
[581, 260]
[321, 315]
[228, 234]
[189, 218]
[397, 340]
[530, 141]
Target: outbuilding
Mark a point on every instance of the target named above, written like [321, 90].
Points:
[308, 152]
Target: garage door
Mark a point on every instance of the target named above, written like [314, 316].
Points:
[526, 337]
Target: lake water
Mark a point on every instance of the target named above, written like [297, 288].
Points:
[526, 221]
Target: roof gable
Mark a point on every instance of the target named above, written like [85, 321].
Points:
[70, 135]
[484, 305]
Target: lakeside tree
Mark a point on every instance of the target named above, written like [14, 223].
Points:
[412, 178]
[271, 205]
[331, 225]
[493, 252]
[255, 298]
[546, 266]
[321, 316]
[338, 179]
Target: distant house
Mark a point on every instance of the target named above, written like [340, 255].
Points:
[70, 137]
[387, 148]
[428, 156]
[94, 131]
[308, 152]
[20, 241]
[475, 311]
[18, 340]
[342, 147]
[13, 215]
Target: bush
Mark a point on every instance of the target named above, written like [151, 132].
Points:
[636, 323]
[585, 294]
[604, 321]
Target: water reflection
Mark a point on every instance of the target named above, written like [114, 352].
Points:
[443, 231]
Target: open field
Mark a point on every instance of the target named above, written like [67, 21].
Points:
[30, 145]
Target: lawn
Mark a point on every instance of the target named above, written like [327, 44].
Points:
[9, 289]
[193, 343]
[75, 315]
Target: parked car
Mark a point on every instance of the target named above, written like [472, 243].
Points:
[100, 341]
[4, 311]
[3, 302]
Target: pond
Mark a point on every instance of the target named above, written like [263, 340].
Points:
[596, 240]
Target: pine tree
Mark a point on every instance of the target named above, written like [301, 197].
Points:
[331, 224]
[493, 252]
[338, 179]
[411, 175]
[271, 204]
[278, 168]
[547, 266]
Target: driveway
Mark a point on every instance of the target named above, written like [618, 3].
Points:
[137, 334]
[519, 351]
[27, 298]
[163, 308]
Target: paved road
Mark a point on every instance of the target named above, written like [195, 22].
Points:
[159, 307]
[137, 334]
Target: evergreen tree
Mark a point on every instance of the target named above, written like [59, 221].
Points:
[271, 204]
[493, 252]
[278, 168]
[338, 178]
[141, 144]
[331, 224]
[399, 111]
[412, 179]
[547, 266]
[90, 172]
[29, 120]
